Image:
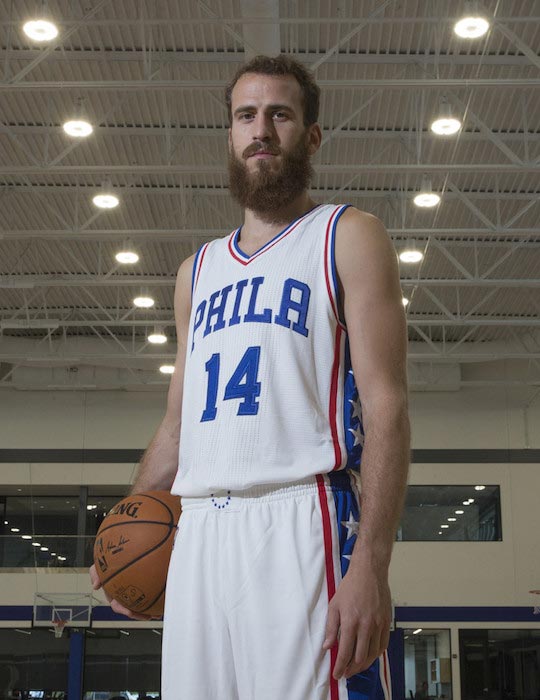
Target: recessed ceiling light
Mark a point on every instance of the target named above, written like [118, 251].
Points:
[143, 302]
[411, 256]
[15, 529]
[127, 257]
[445, 126]
[451, 520]
[40, 30]
[426, 200]
[459, 512]
[471, 27]
[26, 537]
[36, 544]
[157, 338]
[443, 526]
[417, 631]
[106, 200]
[78, 128]
[479, 488]
[44, 549]
[166, 369]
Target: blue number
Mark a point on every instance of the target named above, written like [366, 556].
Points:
[242, 385]
[212, 367]
[249, 389]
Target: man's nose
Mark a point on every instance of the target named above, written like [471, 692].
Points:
[263, 128]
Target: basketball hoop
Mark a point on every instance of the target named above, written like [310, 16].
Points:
[59, 628]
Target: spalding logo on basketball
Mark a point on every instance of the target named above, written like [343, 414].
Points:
[133, 547]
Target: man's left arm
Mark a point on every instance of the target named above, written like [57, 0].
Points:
[359, 614]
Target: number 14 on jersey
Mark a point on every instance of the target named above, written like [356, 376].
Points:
[243, 384]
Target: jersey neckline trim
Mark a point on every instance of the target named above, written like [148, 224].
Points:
[241, 257]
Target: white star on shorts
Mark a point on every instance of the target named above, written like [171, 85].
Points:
[352, 526]
[358, 436]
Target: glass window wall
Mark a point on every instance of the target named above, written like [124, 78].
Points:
[451, 513]
[428, 672]
[500, 664]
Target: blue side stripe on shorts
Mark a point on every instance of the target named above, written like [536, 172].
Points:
[365, 685]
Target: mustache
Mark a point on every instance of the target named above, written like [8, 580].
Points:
[258, 146]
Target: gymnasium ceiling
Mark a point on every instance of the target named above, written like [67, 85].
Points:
[150, 77]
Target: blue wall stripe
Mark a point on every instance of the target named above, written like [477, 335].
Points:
[129, 456]
[103, 613]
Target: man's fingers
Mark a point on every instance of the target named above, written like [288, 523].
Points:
[96, 583]
[345, 650]
[332, 627]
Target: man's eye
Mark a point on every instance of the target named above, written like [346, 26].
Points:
[245, 116]
[280, 115]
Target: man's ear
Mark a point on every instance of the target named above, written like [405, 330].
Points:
[314, 138]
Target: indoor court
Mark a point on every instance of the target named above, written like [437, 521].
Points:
[113, 171]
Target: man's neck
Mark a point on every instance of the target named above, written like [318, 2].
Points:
[261, 227]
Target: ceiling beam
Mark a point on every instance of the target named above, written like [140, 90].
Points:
[29, 281]
[237, 57]
[179, 235]
[180, 130]
[423, 320]
[343, 84]
[345, 168]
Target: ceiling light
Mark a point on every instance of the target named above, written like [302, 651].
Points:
[44, 549]
[445, 126]
[471, 500]
[40, 30]
[451, 520]
[404, 301]
[157, 337]
[166, 369]
[36, 544]
[61, 558]
[106, 200]
[78, 128]
[445, 123]
[459, 512]
[440, 533]
[26, 537]
[471, 27]
[127, 257]
[15, 529]
[479, 488]
[143, 302]
[444, 526]
[417, 631]
[411, 256]
[426, 200]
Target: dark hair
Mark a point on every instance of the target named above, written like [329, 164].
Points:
[282, 65]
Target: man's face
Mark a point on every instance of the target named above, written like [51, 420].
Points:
[269, 146]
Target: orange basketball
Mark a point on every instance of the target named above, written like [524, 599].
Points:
[133, 547]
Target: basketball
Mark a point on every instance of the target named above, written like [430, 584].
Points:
[133, 547]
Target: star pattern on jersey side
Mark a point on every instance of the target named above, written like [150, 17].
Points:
[357, 408]
[358, 435]
[352, 526]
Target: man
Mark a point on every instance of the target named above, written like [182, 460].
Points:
[291, 370]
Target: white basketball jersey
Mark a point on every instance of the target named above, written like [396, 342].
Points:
[269, 395]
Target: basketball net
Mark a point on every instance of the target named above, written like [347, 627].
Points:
[59, 628]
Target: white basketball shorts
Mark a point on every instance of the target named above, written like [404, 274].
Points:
[249, 582]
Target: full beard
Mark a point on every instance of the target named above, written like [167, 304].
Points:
[267, 191]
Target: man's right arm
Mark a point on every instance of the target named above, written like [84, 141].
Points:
[159, 463]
